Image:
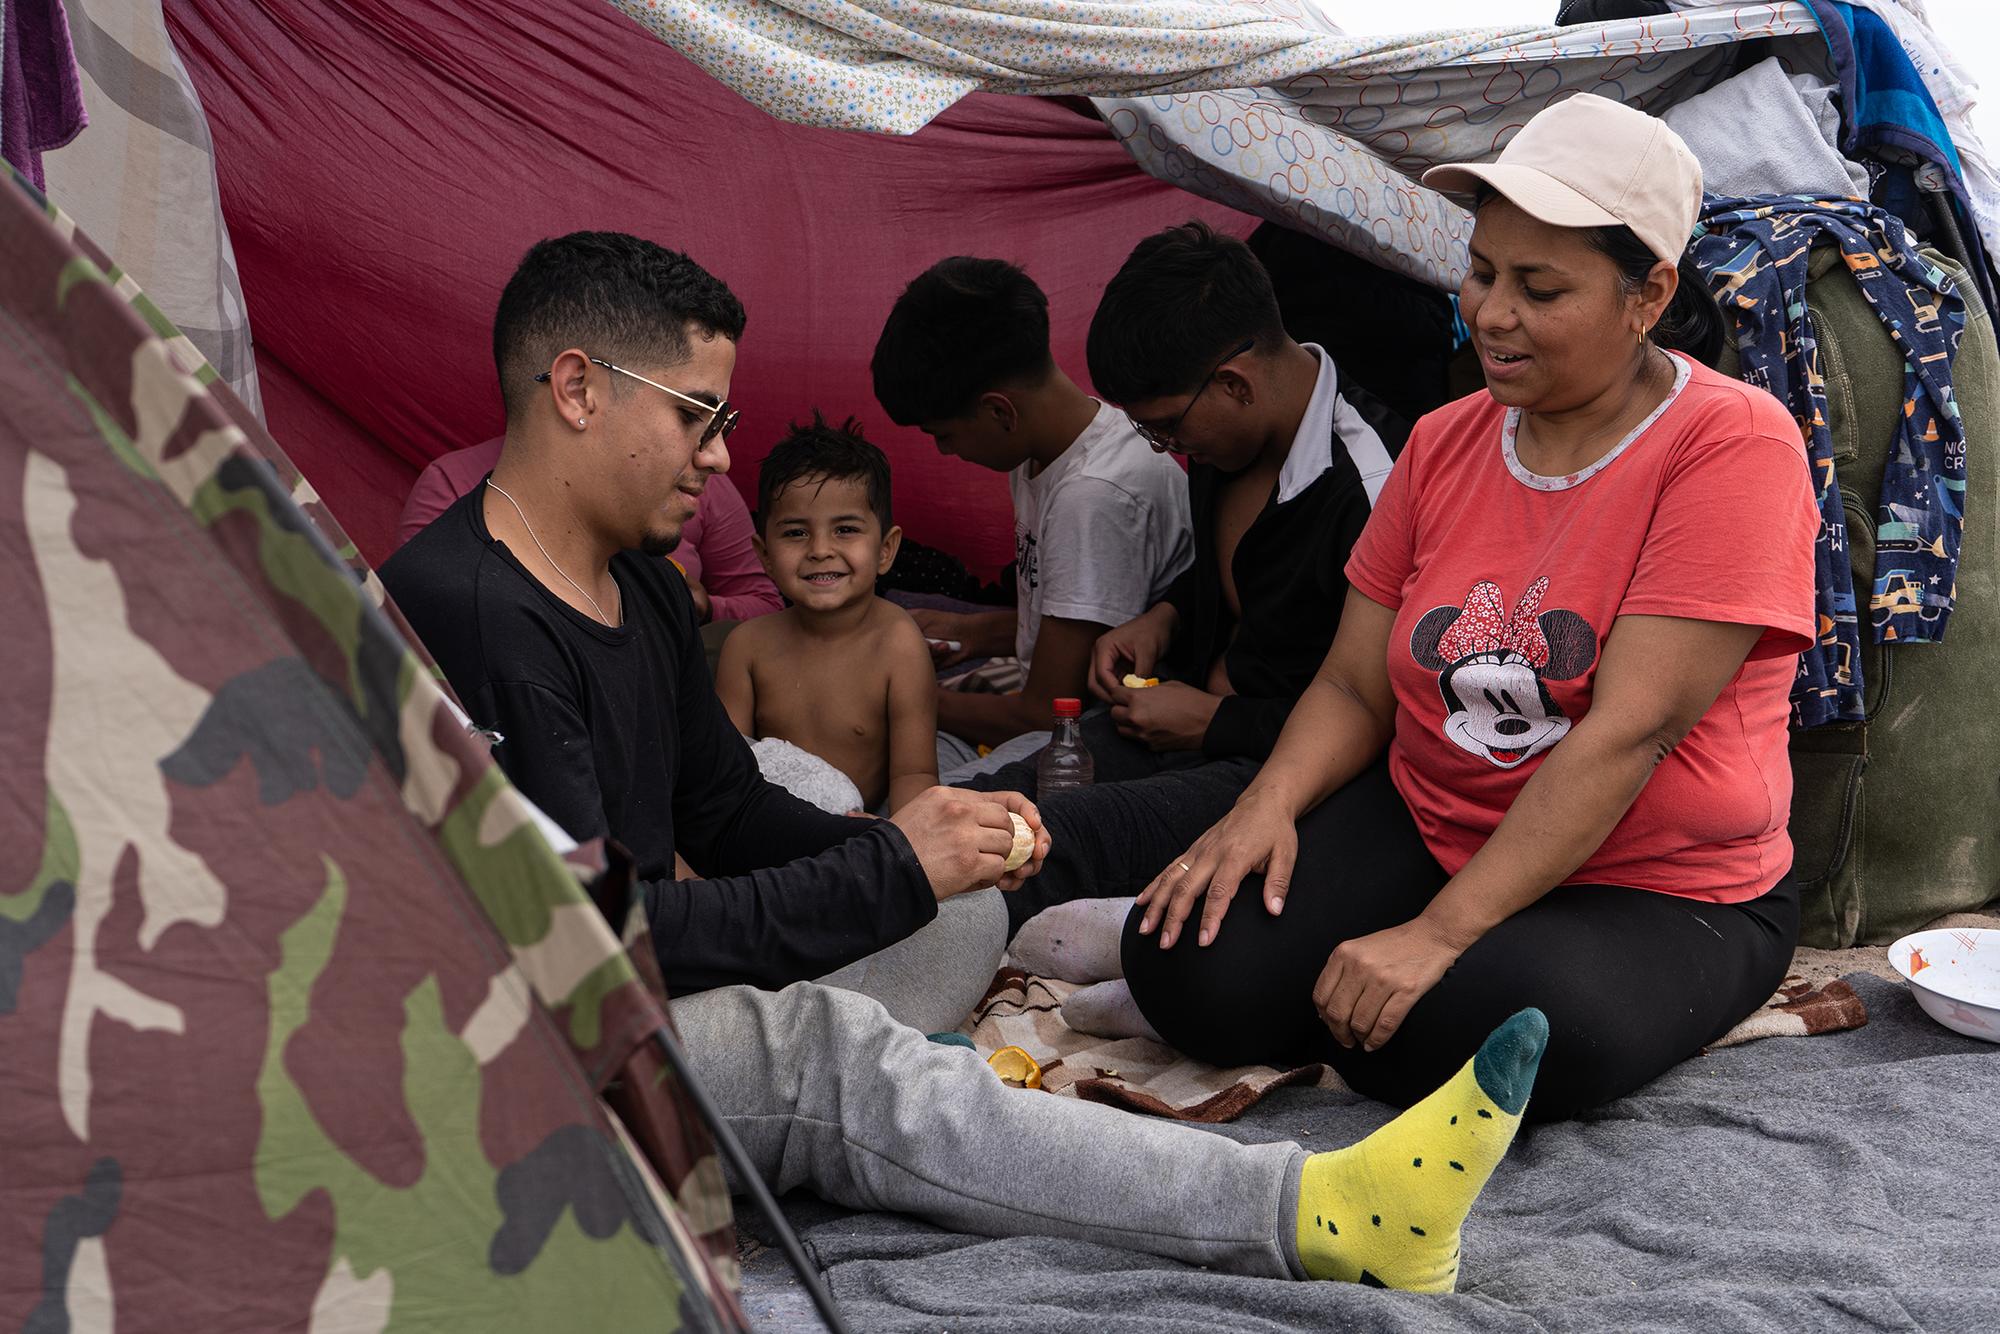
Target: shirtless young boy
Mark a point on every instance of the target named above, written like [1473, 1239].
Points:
[840, 672]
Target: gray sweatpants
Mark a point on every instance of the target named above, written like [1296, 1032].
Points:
[933, 978]
[828, 1090]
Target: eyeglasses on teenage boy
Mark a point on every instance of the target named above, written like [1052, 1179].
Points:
[1167, 438]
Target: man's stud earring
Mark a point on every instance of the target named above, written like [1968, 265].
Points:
[579, 421]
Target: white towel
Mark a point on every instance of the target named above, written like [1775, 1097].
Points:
[806, 776]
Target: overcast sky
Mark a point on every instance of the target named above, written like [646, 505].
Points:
[1971, 28]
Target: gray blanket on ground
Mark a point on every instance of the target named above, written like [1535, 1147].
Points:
[1846, 1182]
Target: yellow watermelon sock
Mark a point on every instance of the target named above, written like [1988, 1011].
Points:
[1387, 1211]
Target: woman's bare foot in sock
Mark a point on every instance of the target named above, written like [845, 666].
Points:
[1076, 941]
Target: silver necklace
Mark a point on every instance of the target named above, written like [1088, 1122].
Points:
[547, 557]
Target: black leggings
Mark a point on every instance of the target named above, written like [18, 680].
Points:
[1632, 981]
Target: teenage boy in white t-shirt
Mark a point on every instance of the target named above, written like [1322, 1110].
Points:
[1101, 523]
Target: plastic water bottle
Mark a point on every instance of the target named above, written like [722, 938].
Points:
[1065, 762]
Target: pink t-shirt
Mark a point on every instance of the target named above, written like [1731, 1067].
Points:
[1506, 583]
[715, 544]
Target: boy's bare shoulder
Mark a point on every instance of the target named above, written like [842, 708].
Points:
[896, 629]
[758, 636]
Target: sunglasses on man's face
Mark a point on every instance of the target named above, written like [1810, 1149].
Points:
[1166, 439]
[722, 418]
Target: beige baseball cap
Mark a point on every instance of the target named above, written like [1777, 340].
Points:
[1592, 162]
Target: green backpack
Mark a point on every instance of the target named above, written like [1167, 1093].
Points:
[1896, 821]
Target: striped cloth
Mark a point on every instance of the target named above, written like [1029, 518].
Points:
[141, 181]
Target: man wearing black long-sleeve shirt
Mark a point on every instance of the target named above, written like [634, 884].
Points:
[544, 598]
[617, 731]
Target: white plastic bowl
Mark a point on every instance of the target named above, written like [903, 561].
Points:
[1956, 978]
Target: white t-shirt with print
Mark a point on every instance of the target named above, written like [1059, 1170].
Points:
[1099, 533]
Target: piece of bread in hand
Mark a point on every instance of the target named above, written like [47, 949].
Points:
[1024, 844]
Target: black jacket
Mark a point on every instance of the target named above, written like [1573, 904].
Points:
[1291, 581]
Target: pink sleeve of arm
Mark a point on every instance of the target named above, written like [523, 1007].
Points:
[1731, 539]
[431, 496]
[738, 588]
[448, 477]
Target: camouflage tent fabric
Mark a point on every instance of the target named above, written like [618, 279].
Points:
[304, 1023]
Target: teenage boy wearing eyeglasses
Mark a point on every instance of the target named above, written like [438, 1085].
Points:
[1100, 520]
[1284, 459]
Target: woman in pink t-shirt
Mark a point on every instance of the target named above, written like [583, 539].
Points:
[1545, 761]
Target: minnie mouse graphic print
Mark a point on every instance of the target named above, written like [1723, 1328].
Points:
[1506, 586]
[1491, 666]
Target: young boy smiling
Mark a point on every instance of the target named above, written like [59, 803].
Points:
[840, 673]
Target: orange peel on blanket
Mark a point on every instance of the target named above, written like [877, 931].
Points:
[1016, 1068]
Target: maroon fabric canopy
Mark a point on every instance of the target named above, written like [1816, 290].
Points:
[384, 163]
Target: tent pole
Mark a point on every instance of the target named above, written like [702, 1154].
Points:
[760, 1194]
